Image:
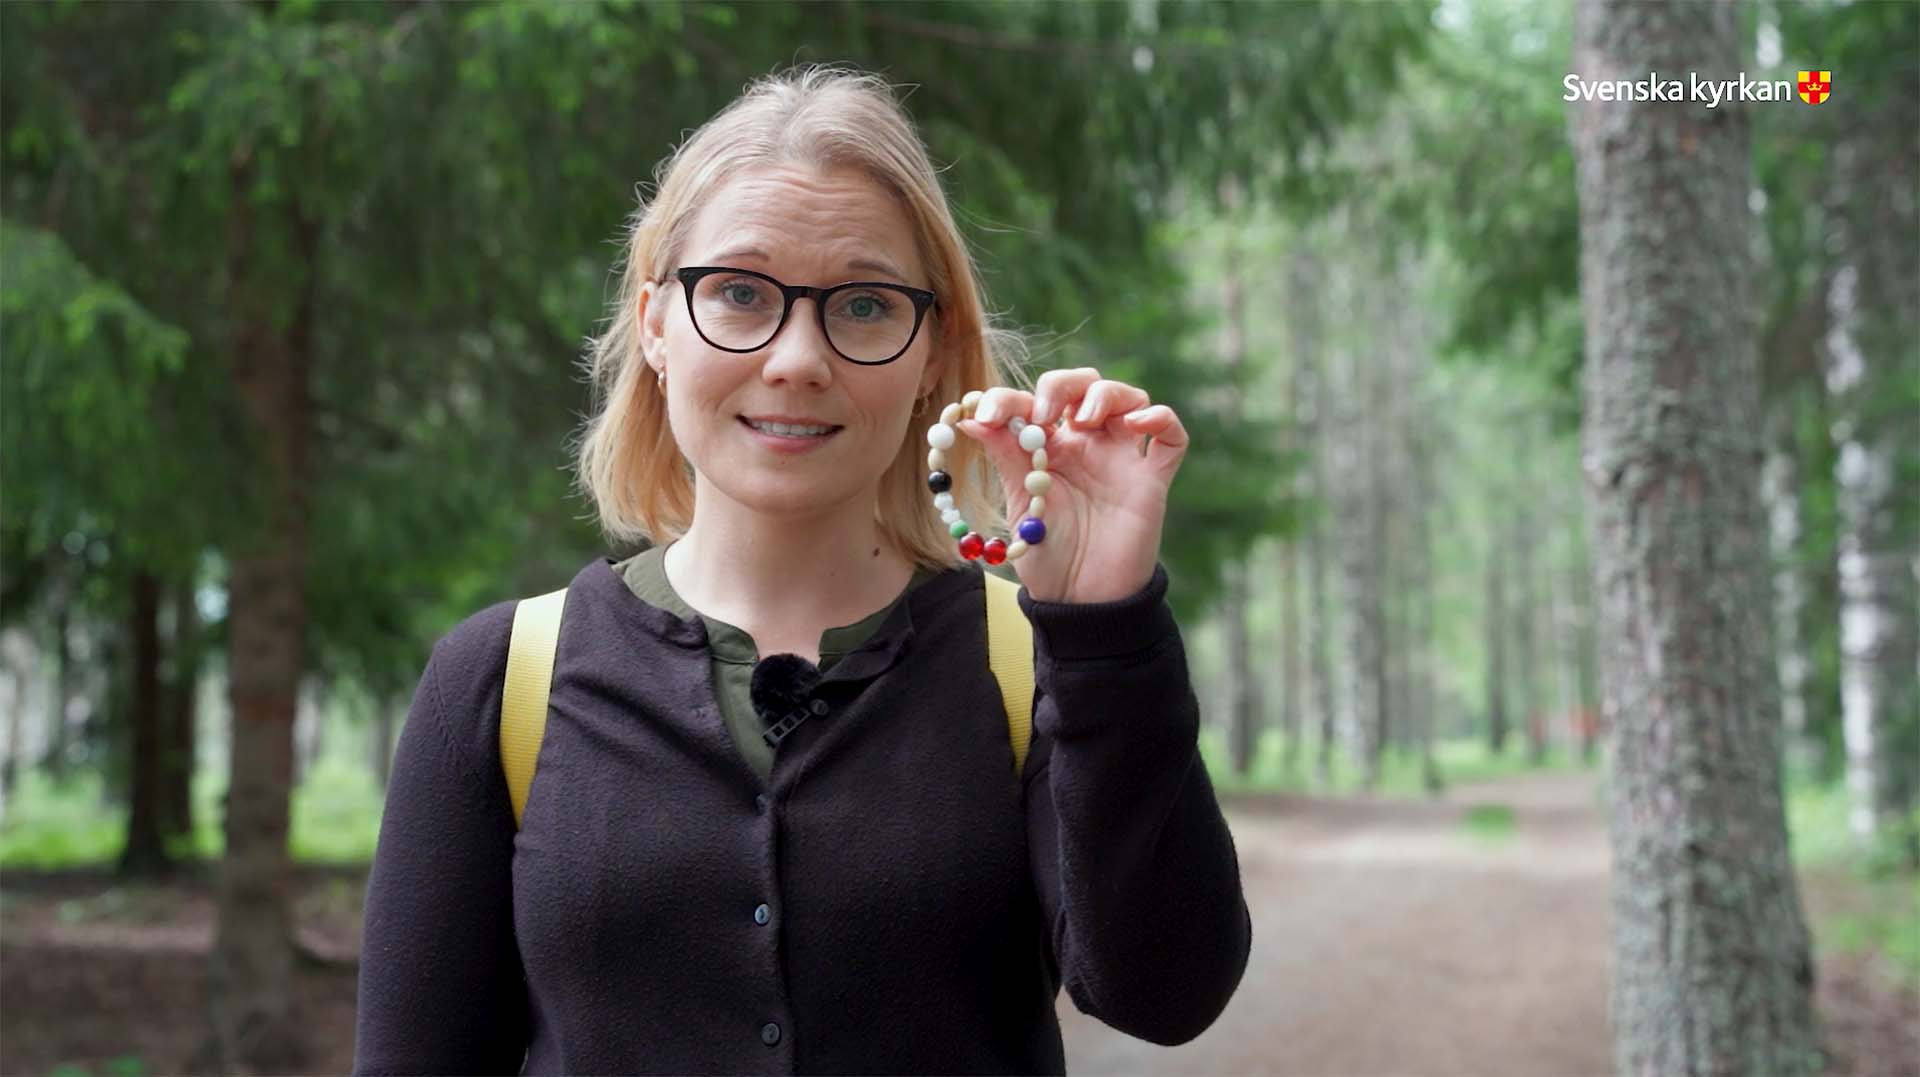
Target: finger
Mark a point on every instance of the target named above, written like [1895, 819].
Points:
[1001, 403]
[1057, 388]
[1109, 397]
[1161, 424]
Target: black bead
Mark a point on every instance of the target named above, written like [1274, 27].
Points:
[939, 482]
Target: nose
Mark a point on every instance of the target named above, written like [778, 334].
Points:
[799, 352]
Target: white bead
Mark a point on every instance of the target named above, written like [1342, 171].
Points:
[940, 436]
[971, 401]
[1033, 437]
[936, 460]
[950, 515]
[1036, 506]
[1039, 459]
[1039, 482]
[1016, 424]
[1016, 548]
[944, 501]
[950, 414]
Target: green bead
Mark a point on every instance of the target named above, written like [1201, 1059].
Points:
[959, 529]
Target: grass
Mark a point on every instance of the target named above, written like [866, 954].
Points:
[1459, 759]
[1489, 822]
[70, 823]
[1860, 900]
[123, 1066]
[336, 809]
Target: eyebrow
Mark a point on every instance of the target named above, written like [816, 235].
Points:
[856, 263]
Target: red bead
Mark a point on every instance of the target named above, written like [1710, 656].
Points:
[972, 546]
[996, 551]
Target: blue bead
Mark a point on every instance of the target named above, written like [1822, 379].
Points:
[1032, 531]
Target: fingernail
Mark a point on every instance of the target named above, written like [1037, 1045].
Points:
[987, 410]
[1042, 410]
[1085, 412]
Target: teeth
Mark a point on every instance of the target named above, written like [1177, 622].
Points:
[791, 431]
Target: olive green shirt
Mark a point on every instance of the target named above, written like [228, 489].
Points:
[734, 652]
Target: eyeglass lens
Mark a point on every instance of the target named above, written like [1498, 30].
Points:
[867, 323]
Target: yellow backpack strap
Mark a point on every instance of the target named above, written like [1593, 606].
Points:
[1010, 654]
[523, 702]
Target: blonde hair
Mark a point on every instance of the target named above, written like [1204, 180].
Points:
[824, 117]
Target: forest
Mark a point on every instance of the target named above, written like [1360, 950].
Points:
[1547, 552]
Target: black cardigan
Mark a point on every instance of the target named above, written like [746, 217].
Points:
[891, 901]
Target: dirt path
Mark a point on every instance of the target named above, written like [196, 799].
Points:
[1391, 939]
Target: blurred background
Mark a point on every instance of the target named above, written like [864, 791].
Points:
[294, 298]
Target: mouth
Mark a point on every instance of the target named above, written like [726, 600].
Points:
[792, 431]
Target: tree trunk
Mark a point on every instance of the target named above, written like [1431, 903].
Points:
[1242, 717]
[1780, 490]
[145, 852]
[1362, 558]
[1423, 470]
[1243, 698]
[1873, 366]
[1711, 972]
[1496, 635]
[1305, 292]
[250, 971]
[60, 705]
[182, 691]
[18, 656]
[1526, 537]
[1292, 665]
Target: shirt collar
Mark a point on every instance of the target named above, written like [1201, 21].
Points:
[656, 608]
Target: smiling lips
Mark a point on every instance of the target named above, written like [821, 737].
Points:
[788, 436]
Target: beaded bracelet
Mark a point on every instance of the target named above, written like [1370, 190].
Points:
[1031, 530]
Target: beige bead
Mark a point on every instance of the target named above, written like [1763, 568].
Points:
[1016, 549]
[970, 401]
[950, 414]
[1039, 459]
[936, 460]
[1036, 506]
[1039, 482]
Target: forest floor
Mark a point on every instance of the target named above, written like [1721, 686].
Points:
[1466, 935]
[1391, 937]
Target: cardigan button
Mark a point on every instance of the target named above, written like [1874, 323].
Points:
[761, 914]
[819, 706]
[769, 1033]
[760, 801]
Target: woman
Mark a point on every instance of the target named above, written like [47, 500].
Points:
[876, 893]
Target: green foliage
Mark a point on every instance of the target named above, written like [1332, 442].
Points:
[1489, 822]
[1473, 156]
[1460, 760]
[1882, 913]
[73, 823]
[119, 1066]
[439, 187]
[112, 442]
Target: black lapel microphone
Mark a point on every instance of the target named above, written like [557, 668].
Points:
[782, 693]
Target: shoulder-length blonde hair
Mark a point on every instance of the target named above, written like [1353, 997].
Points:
[822, 117]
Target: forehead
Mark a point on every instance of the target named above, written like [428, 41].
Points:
[800, 223]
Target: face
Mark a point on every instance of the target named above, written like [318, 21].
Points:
[801, 227]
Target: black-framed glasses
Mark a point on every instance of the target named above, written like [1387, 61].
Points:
[867, 322]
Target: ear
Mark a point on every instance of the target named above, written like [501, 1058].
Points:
[651, 316]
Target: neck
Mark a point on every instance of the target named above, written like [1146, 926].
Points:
[823, 566]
